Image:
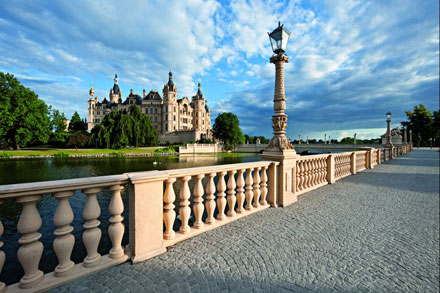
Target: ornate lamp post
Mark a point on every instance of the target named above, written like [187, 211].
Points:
[410, 139]
[389, 142]
[278, 40]
[354, 139]
[280, 149]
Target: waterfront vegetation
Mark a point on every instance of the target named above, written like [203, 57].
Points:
[48, 151]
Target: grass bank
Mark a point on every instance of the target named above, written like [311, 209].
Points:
[48, 151]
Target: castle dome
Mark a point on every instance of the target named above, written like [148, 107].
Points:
[170, 82]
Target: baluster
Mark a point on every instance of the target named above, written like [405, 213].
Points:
[221, 201]
[297, 178]
[257, 191]
[92, 234]
[116, 228]
[30, 251]
[309, 173]
[315, 171]
[64, 241]
[169, 215]
[249, 192]
[303, 175]
[263, 201]
[300, 175]
[323, 170]
[306, 174]
[321, 173]
[198, 201]
[231, 193]
[184, 210]
[240, 193]
[210, 202]
[2, 255]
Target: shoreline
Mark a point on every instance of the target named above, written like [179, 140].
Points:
[91, 155]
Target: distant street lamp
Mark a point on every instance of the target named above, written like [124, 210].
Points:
[325, 138]
[419, 139]
[389, 142]
[299, 140]
[278, 40]
[329, 140]
[354, 139]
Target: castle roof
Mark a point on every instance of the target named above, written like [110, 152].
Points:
[153, 95]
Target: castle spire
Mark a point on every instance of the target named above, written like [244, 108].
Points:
[116, 78]
[199, 90]
[170, 82]
[91, 91]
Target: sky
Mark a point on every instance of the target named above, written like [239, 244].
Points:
[350, 61]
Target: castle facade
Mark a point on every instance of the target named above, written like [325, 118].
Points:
[176, 120]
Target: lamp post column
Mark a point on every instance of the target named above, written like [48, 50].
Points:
[280, 149]
[279, 120]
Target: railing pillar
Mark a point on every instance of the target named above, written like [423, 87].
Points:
[353, 163]
[331, 169]
[378, 157]
[272, 185]
[369, 159]
[286, 174]
[146, 215]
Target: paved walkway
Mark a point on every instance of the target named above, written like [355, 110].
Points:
[375, 231]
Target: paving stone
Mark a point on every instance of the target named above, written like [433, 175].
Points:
[376, 231]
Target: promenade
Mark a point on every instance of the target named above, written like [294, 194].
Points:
[375, 231]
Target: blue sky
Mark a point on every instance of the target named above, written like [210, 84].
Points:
[350, 61]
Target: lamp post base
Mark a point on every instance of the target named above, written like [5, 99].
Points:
[286, 173]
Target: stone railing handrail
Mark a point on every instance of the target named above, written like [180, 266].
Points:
[202, 199]
[43, 187]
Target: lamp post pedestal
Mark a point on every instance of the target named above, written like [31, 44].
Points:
[280, 149]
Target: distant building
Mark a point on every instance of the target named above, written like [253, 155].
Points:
[176, 120]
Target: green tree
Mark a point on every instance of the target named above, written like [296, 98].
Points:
[58, 127]
[77, 139]
[24, 118]
[436, 127]
[227, 129]
[76, 124]
[421, 123]
[124, 128]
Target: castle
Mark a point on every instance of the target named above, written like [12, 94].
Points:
[176, 120]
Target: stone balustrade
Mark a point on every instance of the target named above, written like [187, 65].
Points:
[165, 207]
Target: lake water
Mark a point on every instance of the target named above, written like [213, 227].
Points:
[32, 170]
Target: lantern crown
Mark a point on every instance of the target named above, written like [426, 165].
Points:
[279, 38]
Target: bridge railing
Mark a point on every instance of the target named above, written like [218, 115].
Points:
[165, 207]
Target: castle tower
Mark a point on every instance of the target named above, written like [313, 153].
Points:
[92, 102]
[199, 109]
[115, 93]
[170, 108]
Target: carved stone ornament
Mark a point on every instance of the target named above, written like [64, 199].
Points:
[279, 122]
[280, 143]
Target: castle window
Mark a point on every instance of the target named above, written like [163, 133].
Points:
[166, 127]
[174, 108]
[155, 126]
[155, 119]
[166, 117]
[174, 117]
[146, 111]
[155, 110]
[151, 110]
